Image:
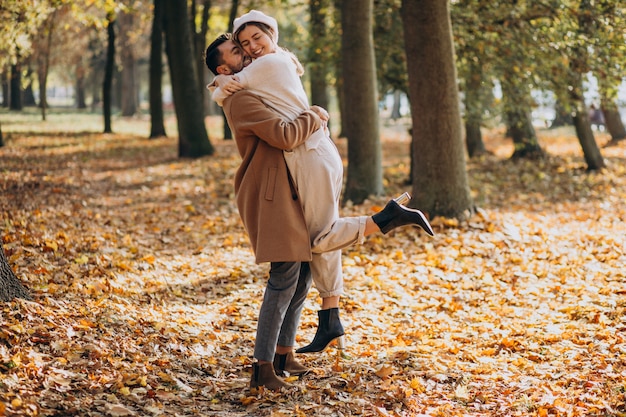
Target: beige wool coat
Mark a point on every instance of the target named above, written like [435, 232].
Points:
[266, 198]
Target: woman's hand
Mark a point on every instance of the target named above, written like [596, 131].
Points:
[229, 84]
[322, 113]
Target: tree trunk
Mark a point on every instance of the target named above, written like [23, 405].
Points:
[10, 286]
[157, 122]
[29, 96]
[5, 87]
[193, 140]
[81, 102]
[395, 107]
[613, 120]
[44, 65]
[361, 118]
[562, 116]
[108, 73]
[578, 66]
[440, 185]
[474, 138]
[587, 141]
[199, 38]
[129, 91]
[318, 60]
[518, 117]
[228, 134]
[1, 138]
[15, 102]
[474, 111]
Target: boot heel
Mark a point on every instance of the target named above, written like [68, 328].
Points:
[341, 343]
[403, 198]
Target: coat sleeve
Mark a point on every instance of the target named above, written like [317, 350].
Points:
[255, 118]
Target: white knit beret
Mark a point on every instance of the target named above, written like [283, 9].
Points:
[256, 16]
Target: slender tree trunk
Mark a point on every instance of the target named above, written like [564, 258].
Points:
[193, 140]
[338, 65]
[128, 76]
[518, 119]
[5, 86]
[591, 151]
[199, 38]
[108, 74]
[318, 56]
[29, 96]
[613, 121]
[45, 67]
[440, 185]
[157, 122]
[81, 102]
[578, 67]
[562, 116]
[15, 102]
[234, 6]
[474, 111]
[361, 118]
[395, 107]
[1, 138]
[10, 285]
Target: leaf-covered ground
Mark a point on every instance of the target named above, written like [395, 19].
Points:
[146, 292]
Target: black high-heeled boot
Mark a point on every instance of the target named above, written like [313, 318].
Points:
[396, 215]
[328, 330]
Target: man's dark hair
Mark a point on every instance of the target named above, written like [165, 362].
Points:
[213, 56]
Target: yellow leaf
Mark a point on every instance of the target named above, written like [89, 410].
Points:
[50, 246]
[125, 391]
[82, 260]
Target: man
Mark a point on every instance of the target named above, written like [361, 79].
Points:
[271, 213]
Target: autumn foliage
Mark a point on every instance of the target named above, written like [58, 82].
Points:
[145, 292]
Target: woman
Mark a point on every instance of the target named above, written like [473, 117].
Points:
[316, 166]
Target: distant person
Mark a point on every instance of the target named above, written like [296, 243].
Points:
[596, 117]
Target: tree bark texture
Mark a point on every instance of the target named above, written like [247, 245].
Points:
[107, 84]
[361, 102]
[157, 120]
[474, 111]
[10, 286]
[129, 99]
[613, 121]
[15, 102]
[193, 140]
[587, 141]
[440, 185]
[518, 117]
[318, 56]
[579, 66]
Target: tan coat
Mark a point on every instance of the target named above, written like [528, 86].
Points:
[268, 204]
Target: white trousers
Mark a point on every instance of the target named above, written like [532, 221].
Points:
[317, 170]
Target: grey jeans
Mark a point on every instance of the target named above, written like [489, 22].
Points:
[284, 297]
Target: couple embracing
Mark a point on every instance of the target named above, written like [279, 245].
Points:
[288, 190]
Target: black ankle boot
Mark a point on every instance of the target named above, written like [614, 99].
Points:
[396, 215]
[329, 329]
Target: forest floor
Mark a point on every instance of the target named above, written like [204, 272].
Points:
[145, 291]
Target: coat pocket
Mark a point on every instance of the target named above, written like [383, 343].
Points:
[270, 184]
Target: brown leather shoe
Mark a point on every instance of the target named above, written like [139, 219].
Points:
[263, 375]
[287, 363]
